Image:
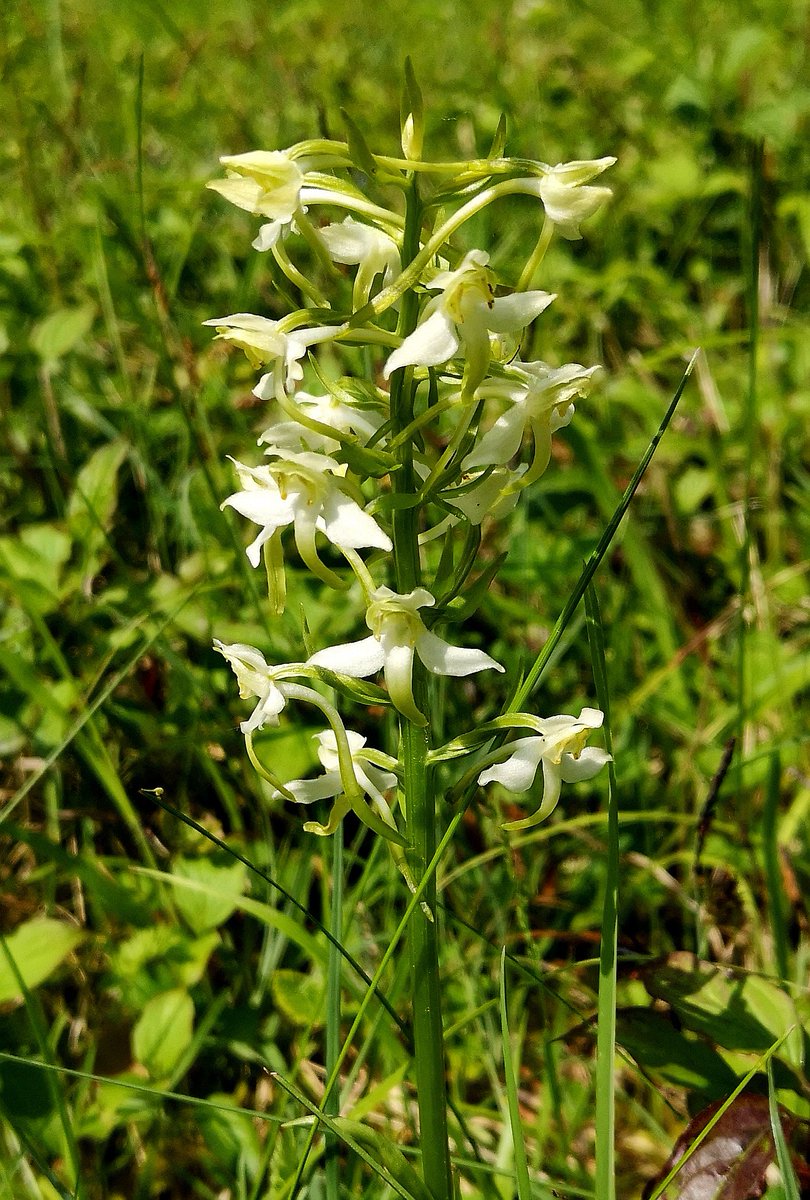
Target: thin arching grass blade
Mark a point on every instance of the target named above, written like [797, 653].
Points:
[534, 673]
[522, 1181]
[606, 1009]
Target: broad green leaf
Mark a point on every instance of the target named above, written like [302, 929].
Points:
[37, 948]
[163, 1031]
[225, 880]
[93, 501]
[113, 1106]
[289, 750]
[36, 555]
[158, 958]
[25, 1090]
[658, 1046]
[60, 331]
[300, 997]
[231, 1137]
[274, 918]
[736, 1010]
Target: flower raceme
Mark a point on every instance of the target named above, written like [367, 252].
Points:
[397, 633]
[467, 465]
[565, 758]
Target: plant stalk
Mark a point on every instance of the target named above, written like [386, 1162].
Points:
[419, 799]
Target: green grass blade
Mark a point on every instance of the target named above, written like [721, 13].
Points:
[770, 850]
[606, 1009]
[288, 896]
[143, 1088]
[340, 1132]
[790, 1184]
[37, 1022]
[331, 1101]
[541, 662]
[522, 1181]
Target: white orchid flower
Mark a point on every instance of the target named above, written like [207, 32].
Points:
[566, 201]
[465, 313]
[269, 183]
[256, 678]
[565, 758]
[541, 400]
[372, 780]
[397, 633]
[326, 410]
[264, 342]
[274, 184]
[371, 250]
[302, 489]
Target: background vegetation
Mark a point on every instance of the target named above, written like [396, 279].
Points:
[117, 568]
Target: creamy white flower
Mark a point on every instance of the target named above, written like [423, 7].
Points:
[465, 313]
[371, 250]
[267, 182]
[275, 184]
[302, 489]
[565, 758]
[256, 678]
[264, 342]
[566, 201]
[398, 632]
[541, 400]
[372, 780]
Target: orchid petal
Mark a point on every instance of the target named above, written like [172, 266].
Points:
[268, 236]
[501, 442]
[431, 343]
[589, 763]
[357, 659]
[346, 524]
[307, 791]
[518, 771]
[508, 314]
[399, 681]
[441, 658]
[551, 794]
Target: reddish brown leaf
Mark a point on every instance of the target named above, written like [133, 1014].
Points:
[730, 1164]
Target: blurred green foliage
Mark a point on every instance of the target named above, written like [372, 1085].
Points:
[117, 568]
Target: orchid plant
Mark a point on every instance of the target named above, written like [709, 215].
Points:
[447, 434]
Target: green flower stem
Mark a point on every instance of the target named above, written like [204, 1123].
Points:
[331, 1102]
[296, 277]
[316, 244]
[419, 800]
[538, 254]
